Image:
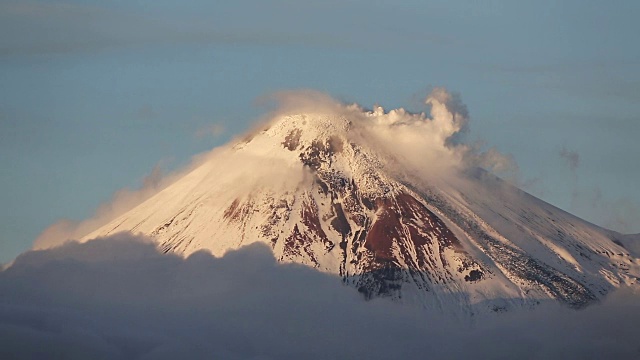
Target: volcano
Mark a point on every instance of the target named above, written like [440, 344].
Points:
[392, 204]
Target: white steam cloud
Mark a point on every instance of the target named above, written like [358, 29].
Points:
[430, 144]
[434, 144]
[120, 298]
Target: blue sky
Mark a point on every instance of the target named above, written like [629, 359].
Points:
[95, 95]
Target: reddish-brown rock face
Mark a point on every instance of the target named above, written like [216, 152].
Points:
[406, 224]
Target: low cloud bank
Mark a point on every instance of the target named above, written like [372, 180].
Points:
[120, 298]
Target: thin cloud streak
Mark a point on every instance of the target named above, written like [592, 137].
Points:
[32, 28]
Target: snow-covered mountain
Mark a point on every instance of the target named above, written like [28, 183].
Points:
[392, 204]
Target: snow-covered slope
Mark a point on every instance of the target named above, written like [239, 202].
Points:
[386, 202]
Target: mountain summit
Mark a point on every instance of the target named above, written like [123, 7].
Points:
[393, 203]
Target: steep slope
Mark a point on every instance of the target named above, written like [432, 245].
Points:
[325, 189]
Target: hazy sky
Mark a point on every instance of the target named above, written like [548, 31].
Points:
[95, 95]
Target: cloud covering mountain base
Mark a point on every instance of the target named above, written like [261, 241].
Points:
[120, 298]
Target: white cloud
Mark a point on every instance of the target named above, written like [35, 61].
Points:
[119, 298]
[429, 144]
